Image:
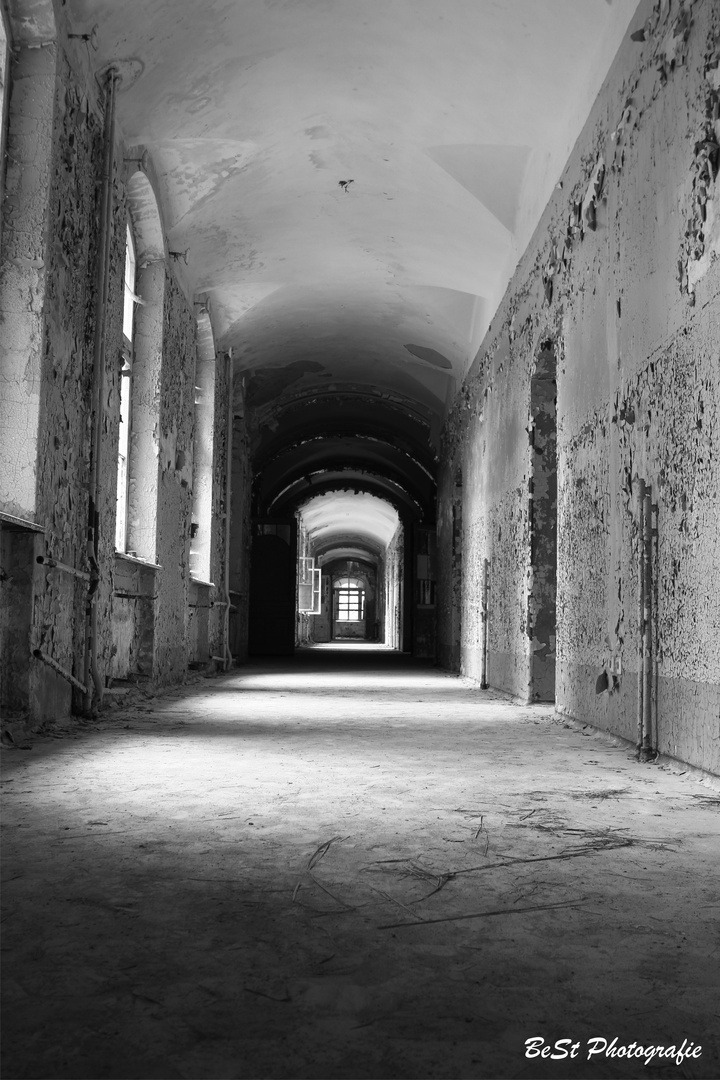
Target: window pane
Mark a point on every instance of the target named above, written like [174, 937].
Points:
[350, 605]
[129, 304]
[123, 452]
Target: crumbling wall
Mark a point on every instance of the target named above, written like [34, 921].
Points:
[63, 444]
[30, 154]
[49, 308]
[488, 432]
[622, 275]
[174, 508]
[133, 606]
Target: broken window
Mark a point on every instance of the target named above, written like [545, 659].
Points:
[309, 581]
[125, 392]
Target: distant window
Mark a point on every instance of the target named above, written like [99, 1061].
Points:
[350, 600]
[126, 392]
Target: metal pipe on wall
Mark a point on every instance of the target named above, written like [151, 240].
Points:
[55, 564]
[641, 614]
[98, 387]
[647, 539]
[484, 618]
[40, 655]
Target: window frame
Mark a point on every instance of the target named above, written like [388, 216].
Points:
[125, 422]
[349, 603]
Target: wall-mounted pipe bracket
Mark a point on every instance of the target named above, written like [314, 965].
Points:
[55, 564]
[40, 655]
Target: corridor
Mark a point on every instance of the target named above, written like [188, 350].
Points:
[347, 863]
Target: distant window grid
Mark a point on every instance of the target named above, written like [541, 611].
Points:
[350, 605]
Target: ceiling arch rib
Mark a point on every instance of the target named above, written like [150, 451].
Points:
[292, 497]
[382, 462]
[338, 550]
[342, 413]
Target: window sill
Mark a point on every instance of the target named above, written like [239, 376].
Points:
[136, 561]
[202, 582]
[18, 524]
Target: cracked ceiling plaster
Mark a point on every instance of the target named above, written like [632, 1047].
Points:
[453, 120]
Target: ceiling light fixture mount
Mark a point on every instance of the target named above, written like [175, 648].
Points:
[127, 71]
[91, 37]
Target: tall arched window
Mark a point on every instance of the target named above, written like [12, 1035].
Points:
[126, 391]
[204, 441]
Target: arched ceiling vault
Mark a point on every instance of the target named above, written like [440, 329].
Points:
[354, 180]
[338, 519]
[355, 480]
[337, 552]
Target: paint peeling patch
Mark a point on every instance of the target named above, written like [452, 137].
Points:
[701, 245]
[593, 194]
[673, 48]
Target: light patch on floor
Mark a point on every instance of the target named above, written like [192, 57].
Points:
[350, 865]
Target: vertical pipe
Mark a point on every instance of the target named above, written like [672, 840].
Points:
[98, 395]
[485, 624]
[228, 515]
[641, 613]
[647, 748]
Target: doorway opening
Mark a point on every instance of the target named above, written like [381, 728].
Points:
[349, 595]
[543, 525]
[350, 546]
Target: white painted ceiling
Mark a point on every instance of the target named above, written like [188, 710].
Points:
[452, 118]
[338, 515]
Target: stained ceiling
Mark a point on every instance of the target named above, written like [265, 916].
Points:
[353, 180]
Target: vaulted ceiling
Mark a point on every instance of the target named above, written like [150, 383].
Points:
[353, 180]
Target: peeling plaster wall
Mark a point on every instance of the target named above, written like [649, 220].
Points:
[48, 308]
[23, 273]
[622, 277]
[63, 444]
[174, 507]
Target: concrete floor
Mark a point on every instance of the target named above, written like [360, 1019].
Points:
[351, 865]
